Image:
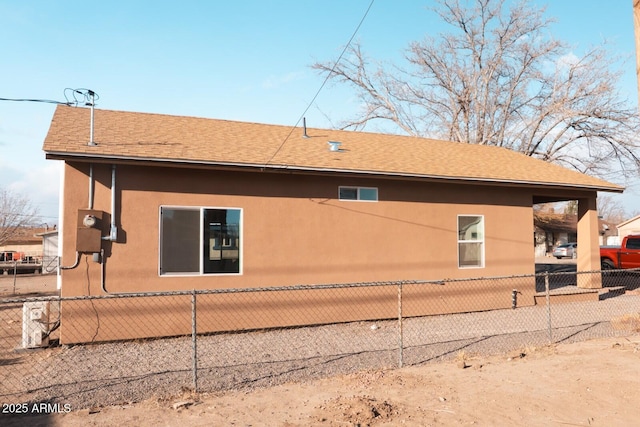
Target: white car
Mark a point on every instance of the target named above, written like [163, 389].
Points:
[566, 250]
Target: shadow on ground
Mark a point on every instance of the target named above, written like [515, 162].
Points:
[565, 274]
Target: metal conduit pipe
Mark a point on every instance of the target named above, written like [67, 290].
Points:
[113, 230]
[70, 267]
[91, 185]
[103, 273]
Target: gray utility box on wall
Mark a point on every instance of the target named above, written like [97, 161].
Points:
[89, 237]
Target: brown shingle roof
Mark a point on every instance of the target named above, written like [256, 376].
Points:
[555, 222]
[23, 235]
[156, 137]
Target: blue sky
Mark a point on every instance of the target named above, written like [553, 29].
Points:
[242, 60]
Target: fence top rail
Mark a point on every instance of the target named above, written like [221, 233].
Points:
[223, 291]
[310, 287]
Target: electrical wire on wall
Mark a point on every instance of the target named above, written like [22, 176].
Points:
[326, 79]
[93, 306]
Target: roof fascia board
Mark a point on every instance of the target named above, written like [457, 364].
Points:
[84, 157]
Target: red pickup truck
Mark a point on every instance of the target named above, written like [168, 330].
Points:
[627, 255]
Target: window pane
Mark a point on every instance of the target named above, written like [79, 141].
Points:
[470, 254]
[180, 241]
[470, 228]
[368, 194]
[470, 241]
[633, 243]
[348, 193]
[222, 240]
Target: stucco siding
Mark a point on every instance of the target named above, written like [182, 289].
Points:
[295, 231]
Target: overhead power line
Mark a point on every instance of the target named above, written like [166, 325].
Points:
[73, 97]
[48, 101]
[326, 79]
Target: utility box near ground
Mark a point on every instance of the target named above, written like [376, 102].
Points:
[35, 324]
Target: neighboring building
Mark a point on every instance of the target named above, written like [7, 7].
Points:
[553, 229]
[25, 241]
[630, 226]
[181, 203]
[49, 250]
[24, 251]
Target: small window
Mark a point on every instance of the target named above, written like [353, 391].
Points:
[369, 194]
[348, 193]
[199, 240]
[470, 241]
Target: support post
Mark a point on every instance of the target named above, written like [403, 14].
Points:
[588, 244]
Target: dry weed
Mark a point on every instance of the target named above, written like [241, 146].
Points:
[630, 322]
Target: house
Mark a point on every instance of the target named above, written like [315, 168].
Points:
[25, 246]
[630, 226]
[552, 229]
[49, 249]
[162, 203]
[25, 240]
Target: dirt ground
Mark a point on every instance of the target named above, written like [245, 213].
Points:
[27, 285]
[591, 383]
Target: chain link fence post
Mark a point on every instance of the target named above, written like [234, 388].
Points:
[15, 275]
[548, 299]
[400, 331]
[194, 341]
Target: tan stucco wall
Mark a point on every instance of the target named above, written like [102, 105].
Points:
[295, 231]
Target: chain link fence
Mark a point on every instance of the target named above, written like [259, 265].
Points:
[212, 340]
[17, 263]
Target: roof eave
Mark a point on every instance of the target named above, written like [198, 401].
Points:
[622, 224]
[53, 155]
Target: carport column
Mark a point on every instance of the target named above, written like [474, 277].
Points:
[588, 245]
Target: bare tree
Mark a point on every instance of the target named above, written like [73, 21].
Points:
[611, 210]
[571, 207]
[16, 213]
[499, 78]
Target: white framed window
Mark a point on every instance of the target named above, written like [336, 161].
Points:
[198, 240]
[368, 194]
[470, 241]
